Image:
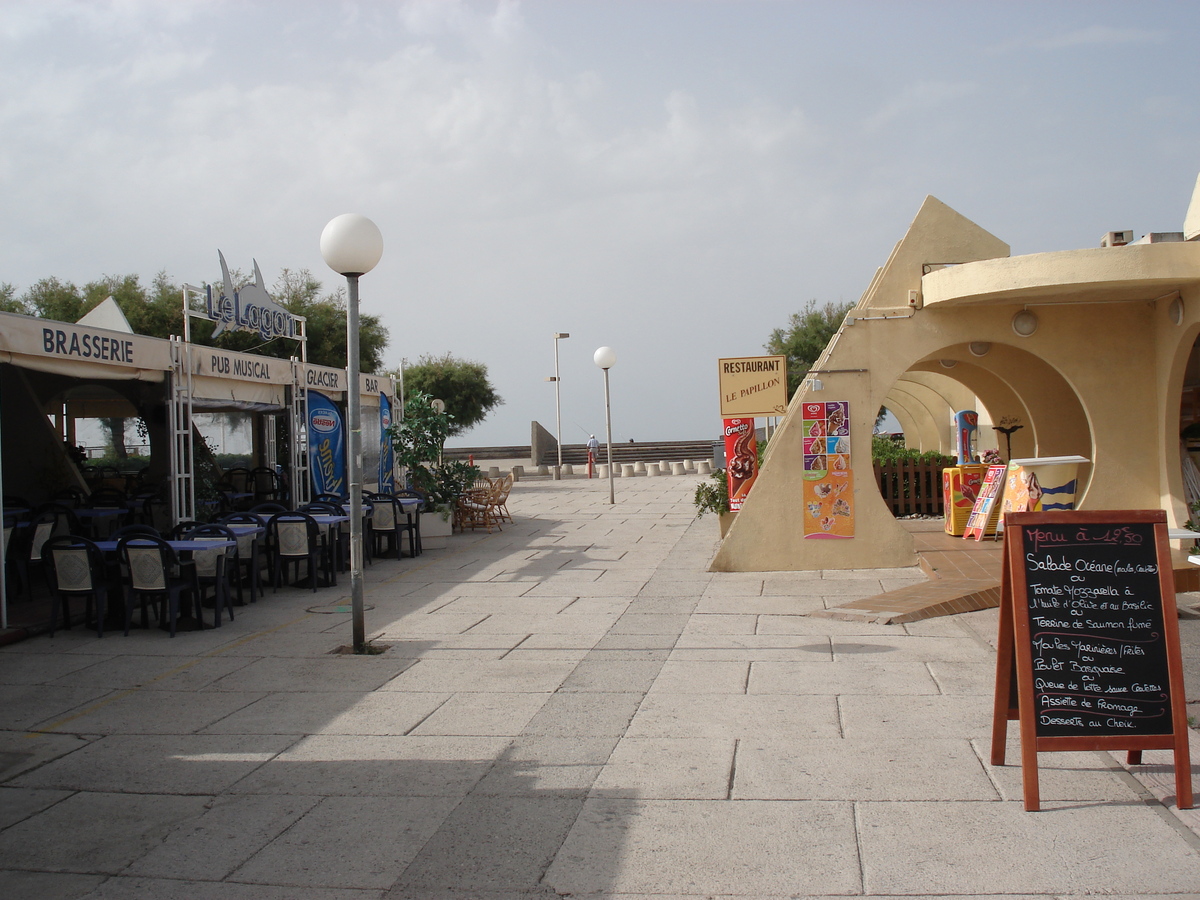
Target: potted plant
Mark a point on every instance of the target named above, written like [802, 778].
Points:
[712, 496]
[417, 441]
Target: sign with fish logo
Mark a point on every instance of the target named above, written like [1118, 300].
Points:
[828, 481]
[248, 308]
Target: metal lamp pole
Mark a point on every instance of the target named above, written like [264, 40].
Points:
[605, 358]
[352, 245]
[558, 404]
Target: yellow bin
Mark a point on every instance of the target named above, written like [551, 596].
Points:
[960, 487]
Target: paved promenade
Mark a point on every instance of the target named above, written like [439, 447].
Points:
[572, 707]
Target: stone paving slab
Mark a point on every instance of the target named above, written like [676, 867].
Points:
[1069, 848]
[670, 846]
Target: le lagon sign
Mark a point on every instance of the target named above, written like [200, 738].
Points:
[753, 386]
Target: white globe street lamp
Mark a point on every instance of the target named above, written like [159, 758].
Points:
[606, 358]
[351, 245]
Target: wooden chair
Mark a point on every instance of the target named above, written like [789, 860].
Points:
[502, 512]
[477, 507]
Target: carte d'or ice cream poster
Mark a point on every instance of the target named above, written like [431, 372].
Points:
[828, 478]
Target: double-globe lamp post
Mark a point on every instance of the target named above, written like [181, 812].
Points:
[605, 358]
[352, 246]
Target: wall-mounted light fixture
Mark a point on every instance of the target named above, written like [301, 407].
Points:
[979, 348]
[1175, 311]
[1024, 323]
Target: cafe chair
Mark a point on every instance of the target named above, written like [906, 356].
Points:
[153, 570]
[295, 538]
[75, 568]
[388, 526]
[241, 479]
[216, 567]
[248, 557]
[502, 513]
[108, 498]
[156, 512]
[50, 520]
[413, 519]
[69, 496]
[264, 483]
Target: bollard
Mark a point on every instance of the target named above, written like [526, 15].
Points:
[626, 470]
[517, 472]
[602, 470]
[568, 469]
[639, 468]
[557, 470]
[493, 472]
[543, 470]
[704, 467]
[665, 466]
[652, 470]
[678, 469]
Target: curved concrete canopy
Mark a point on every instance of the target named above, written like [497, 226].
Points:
[1100, 275]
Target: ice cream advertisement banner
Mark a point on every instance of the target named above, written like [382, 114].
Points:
[386, 464]
[741, 459]
[326, 446]
[828, 478]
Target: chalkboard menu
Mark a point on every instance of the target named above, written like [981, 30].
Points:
[1088, 650]
[1096, 630]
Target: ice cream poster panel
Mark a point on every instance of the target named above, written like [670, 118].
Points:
[741, 459]
[828, 478]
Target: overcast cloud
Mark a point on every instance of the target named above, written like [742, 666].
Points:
[673, 179]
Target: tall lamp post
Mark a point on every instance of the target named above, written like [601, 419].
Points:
[605, 358]
[352, 245]
[558, 335]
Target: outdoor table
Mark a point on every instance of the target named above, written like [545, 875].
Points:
[328, 522]
[92, 516]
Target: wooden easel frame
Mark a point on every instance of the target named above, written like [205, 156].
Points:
[1014, 664]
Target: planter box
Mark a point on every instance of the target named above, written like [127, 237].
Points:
[435, 531]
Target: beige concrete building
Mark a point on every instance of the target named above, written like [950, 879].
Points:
[1092, 351]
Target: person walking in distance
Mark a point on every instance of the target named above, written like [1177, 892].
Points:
[593, 446]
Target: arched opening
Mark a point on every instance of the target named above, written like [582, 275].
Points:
[1008, 387]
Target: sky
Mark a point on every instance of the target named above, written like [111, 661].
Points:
[670, 179]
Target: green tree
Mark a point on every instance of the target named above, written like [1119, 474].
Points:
[54, 299]
[805, 337]
[9, 302]
[462, 384]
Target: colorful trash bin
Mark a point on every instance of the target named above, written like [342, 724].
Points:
[960, 487]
